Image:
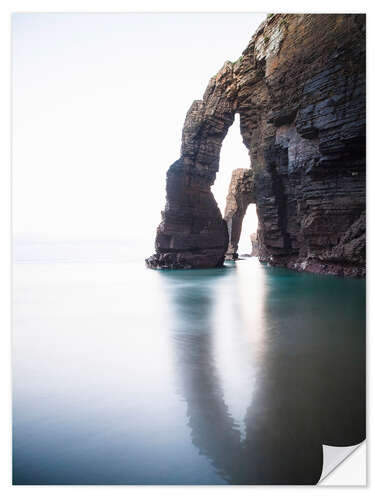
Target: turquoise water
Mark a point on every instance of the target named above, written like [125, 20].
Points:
[123, 375]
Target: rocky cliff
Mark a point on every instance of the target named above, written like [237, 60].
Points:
[299, 88]
[241, 193]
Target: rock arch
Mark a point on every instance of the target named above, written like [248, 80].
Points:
[299, 88]
[241, 194]
[192, 232]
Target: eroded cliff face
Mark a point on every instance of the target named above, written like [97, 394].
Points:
[241, 193]
[299, 88]
[192, 233]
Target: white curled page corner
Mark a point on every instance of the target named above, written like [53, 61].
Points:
[334, 456]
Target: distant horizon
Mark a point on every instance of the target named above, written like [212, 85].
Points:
[99, 102]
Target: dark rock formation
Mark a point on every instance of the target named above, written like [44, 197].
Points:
[192, 232]
[299, 88]
[241, 193]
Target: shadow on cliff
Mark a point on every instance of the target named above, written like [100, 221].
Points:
[310, 371]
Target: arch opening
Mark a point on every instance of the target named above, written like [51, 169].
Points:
[233, 155]
[248, 242]
[233, 191]
[240, 195]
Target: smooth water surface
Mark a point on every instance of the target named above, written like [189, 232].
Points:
[123, 375]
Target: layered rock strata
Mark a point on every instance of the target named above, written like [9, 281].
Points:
[241, 193]
[299, 88]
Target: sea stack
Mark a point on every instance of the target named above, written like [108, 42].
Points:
[299, 89]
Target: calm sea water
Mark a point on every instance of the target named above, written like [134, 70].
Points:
[123, 375]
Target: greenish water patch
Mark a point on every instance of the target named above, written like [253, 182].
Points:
[124, 375]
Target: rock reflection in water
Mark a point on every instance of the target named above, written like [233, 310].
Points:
[300, 342]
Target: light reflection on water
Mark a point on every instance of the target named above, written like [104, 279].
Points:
[124, 375]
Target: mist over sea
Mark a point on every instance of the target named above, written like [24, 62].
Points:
[124, 375]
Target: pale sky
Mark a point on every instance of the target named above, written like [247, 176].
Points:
[99, 102]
